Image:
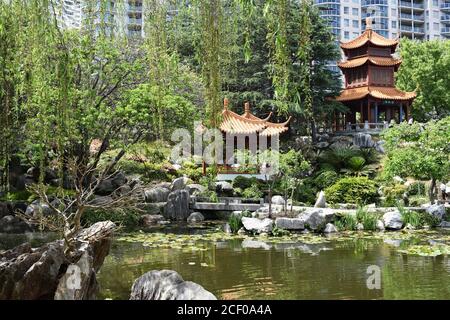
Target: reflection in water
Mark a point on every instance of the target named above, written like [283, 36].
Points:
[254, 269]
[257, 269]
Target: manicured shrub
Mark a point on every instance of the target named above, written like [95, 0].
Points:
[393, 193]
[359, 190]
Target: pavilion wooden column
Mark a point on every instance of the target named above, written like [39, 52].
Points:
[361, 118]
[368, 110]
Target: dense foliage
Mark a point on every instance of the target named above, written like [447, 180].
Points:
[425, 69]
[421, 152]
[359, 190]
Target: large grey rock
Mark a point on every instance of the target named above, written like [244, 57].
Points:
[157, 194]
[379, 146]
[148, 220]
[13, 224]
[177, 206]
[153, 208]
[380, 225]
[278, 200]
[322, 145]
[330, 228]
[224, 186]
[179, 183]
[290, 223]
[195, 188]
[227, 228]
[195, 217]
[38, 208]
[263, 212]
[46, 272]
[167, 285]
[317, 218]
[445, 224]
[257, 225]
[393, 220]
[119, 180]
[79, 281]
[321, 201]
[105, 187]
[363, 140]
[436, 210]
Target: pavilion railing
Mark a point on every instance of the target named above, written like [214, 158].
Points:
[356, 127]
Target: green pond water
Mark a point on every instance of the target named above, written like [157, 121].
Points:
[290, 267]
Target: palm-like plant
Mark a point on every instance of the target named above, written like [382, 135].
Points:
[357, 166]
[338, 156]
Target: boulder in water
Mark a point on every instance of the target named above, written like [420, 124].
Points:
[167, 285]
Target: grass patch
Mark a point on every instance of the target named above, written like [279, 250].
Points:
[346, 222]
[368, 220]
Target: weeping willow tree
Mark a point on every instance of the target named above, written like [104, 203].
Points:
[276, 13]
[209, 23]
[304, 54]
[10, 79]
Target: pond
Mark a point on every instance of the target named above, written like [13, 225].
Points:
[303, 266]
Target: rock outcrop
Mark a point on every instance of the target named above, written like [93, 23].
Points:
[195, 217]
[290, 223]
[167, 285]
[47, 273]
[257, 225]
[177, 206]
[393, 220]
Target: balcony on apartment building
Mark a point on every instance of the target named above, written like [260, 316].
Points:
[415, 5]
[445, 6]
[411, 29]
[445, 18]
[445, 31]
[415, 17]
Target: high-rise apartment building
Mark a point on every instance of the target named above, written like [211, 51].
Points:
[415, 19]
[123, 15]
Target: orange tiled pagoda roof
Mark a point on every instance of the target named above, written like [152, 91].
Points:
[369, 36]
[248, 123]
[378, 61]
[387, 93]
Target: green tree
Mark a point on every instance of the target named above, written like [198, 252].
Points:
[422, 153]
[425, 69]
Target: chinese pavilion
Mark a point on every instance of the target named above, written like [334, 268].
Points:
[370, 93]
[247, 131]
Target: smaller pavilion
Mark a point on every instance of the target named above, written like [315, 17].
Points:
[247, 132]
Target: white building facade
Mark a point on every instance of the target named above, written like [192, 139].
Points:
[414, 19]
[121, 15]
